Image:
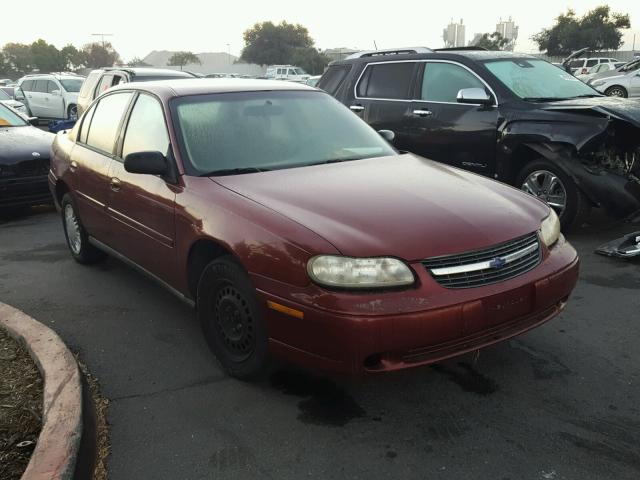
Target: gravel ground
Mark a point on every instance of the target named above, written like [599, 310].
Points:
[560, 402]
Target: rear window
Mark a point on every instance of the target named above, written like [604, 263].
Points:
[387, 80]
[333, 78]
[88, 84]
[576, 63]
[28, 85]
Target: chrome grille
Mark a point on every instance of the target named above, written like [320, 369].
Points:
[484, 267]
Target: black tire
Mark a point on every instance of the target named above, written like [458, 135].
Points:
[72, 112]
[232, 320]
[577, 205]
[616, 91]
[82, 251]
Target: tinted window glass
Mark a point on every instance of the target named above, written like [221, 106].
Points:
[41, 86]
[442, 82]
[389, 80]
[51, 86]
[333, 78]
[86, 123]
[4, 95]
[72, 85]
[27, 85]
[576, 63]
[591, 63]
[105, 84]
[146, 130]
[106, 119]
[88, 84]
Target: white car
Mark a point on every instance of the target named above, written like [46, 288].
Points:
[53, 95]
[600, 68]
[18, 106]
[287, 72]
[625, 85]
[580, 66]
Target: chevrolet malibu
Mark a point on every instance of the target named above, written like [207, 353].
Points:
[299, 233]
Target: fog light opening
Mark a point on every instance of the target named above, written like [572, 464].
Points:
[373, 361]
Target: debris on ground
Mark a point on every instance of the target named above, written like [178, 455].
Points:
[627, 246]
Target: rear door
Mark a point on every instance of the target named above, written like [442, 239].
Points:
[36, 98]
[91, 162]
[53, 100]
[442, 129]
[141, 207]
[382, 97]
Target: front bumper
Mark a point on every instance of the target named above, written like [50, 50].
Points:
[24, 191]
[463, 321]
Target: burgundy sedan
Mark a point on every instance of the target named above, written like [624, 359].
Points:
[298, 232]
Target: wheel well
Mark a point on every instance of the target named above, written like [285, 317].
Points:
[519, 158]
[615, 86]
[202, 253]
[61, 189]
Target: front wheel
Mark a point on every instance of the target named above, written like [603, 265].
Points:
[232, 320]
[549, 183]
[77, 239]
[616, 91]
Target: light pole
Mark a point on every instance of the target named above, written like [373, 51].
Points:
[102, 35]
[229, 52]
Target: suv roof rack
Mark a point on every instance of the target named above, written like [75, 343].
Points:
[453, 49]
[390, 51]
[52, 73]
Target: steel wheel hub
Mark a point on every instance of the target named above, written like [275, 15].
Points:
[548, 187]
[72, 228]
[234, 322]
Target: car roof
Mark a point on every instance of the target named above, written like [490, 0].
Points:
[149, 71]
[446, 54]
[200, 86]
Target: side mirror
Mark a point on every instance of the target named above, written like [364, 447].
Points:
[33, 121]
[19, 96]
[150, 163]
[388, 135]
[474, 95]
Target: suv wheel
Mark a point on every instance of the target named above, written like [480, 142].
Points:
[232, 320]
[616, 91]
[72, 112]
[77, 239]
[546, 181]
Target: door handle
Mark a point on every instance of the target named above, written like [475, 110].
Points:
[423, 113]
[73, 166]
[115, 184]
[356, 108]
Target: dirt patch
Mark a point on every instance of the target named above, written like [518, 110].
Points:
[20, 407]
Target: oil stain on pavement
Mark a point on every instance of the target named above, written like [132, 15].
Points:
[468, 378]
[325, 403]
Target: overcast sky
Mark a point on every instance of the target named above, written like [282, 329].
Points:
[140, 26]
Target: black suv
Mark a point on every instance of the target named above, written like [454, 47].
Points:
[104, 78]
[509, 116]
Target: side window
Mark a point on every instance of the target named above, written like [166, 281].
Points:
[88, 84]
[387, 80]
[333, 78]
[441, 82]
[105, 84]
[592, 62]
[106, 120]
[27, 85]
[146, 130]
[51, 86]
[40, 86]
[86, 123]
[280, 71]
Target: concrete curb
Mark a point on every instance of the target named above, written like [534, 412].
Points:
[54, 456]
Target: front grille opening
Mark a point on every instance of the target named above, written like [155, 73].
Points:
[472, 269]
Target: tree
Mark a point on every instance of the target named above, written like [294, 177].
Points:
[18, 58]
[312, 60]
[97, 55]
[493, 41]
[72, 57]
[180, 59]
[46, 57]
[268, 44]
[137, 62]
[598, 29]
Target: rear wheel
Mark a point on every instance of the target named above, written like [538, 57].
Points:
[232, 320]
[72, 112]
[77, 239]
[546, 181]
[616, 91]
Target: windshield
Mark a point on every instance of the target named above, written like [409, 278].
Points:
[538, 80]
[10, 119]
[72, 85]
[630, 67]
[4, 95]
[270, 130]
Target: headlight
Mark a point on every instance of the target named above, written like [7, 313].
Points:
[348, 272]
[550, 228]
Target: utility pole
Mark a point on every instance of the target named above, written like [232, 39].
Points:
[229, 52]
[102, 35]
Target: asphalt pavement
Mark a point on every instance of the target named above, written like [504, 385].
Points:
[560, 402]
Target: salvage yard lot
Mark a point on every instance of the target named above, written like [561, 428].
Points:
[559, 402]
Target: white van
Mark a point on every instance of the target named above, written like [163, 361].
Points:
[287, 72]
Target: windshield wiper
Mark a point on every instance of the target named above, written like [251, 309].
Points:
[234, 171]
[338, 160]
[544, 99]
[589, 95]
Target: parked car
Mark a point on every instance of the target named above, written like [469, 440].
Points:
[52, 96]
[628, 67]
[512, 117]
[98, 81]
[624, 85]
[580, 66]
[313, 81]
[299, 232]
[600, 68]
[24, 162]
[7, 100]
[286, 72]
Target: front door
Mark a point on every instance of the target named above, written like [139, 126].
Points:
[53, 101]
[141, 207]
[442, 129]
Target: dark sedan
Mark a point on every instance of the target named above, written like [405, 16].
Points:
[24, 162]
[299, 232]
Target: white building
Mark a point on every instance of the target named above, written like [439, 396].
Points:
[453, 35]
[211, 62]
[509, 30]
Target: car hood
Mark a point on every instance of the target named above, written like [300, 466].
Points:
[12, 103]
[403, 206]
[619, 108]
[18, 144]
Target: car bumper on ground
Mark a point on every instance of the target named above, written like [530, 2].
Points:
[358, 343]
[24, 191]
